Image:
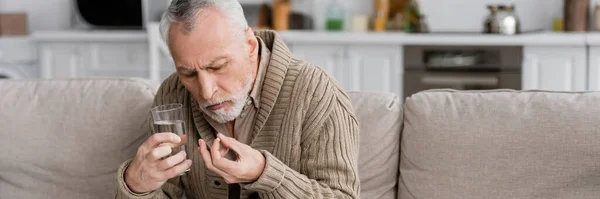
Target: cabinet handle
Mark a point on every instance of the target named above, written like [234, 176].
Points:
[459, 80]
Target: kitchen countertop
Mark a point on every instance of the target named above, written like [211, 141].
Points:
[542, 38]
[593, 38]
[90, 35]
[536, 38]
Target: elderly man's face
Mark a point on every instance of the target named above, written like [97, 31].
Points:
[215, 63]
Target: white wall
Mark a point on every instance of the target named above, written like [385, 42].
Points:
[468, 15]
[465, 15]
[55, 14]
[443, 15]
[42, 14]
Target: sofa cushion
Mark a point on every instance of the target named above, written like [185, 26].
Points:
[66, 138]
[380, 119]
[500, 144]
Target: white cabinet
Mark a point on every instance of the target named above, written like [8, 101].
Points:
[329, 57]
[376, 68]
[93, 59]
[594, 68]
[555, 68]
[61, 60]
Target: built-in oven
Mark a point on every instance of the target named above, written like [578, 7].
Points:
[461, 68]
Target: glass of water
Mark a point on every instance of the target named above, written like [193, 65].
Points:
[168, 118]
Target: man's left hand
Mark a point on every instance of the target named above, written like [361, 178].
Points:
[248, 166]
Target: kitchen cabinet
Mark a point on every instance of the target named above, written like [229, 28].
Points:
[61, 60]
[329, 57]
[594, 68]
[560, 68]
[90, 59]
[375, 68]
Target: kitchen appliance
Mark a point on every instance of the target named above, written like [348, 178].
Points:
[461, 68]
[112, 14]
[127, 14]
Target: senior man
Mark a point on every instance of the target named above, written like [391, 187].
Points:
[261, 123]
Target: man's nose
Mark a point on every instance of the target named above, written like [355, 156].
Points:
[207, 86]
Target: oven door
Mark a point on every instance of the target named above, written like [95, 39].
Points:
[416, 81]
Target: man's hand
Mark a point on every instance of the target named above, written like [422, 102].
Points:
[248, 166]
[149, 170]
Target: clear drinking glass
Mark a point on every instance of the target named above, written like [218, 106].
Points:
[168, 118]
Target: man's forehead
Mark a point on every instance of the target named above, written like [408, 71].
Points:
[200, 45]
[208, 25]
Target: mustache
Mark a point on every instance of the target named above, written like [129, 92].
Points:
[215, 101]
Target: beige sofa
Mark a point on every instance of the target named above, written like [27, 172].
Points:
[66, 138]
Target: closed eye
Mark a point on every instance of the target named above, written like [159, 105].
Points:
[186, 71]
[217, 68]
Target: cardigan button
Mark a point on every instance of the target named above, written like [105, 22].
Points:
[217, 183]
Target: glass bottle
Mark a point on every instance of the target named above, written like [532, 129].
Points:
[597, 17]
[491, 22]
[423, 27]
[335, 16]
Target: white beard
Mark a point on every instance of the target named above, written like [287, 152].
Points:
[238, 101]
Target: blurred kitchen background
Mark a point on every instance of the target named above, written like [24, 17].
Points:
[400, 46]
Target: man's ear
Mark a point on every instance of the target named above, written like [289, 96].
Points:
[251, 42]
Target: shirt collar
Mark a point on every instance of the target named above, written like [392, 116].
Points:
[265, 58]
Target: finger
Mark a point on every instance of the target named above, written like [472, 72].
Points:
[219, 160]
[159, 138]
[171, 161]
[158, 153]
[208, 161]
[205, 153]
[217, 150]
[231, 143]
[177, 169]
[222, 149]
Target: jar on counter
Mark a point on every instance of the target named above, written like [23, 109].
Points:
[509, 22]
[576, 15]
[423, 27]
[597, 17]
[281, 15]
[381, 15]
[490, 24]
[335, 16]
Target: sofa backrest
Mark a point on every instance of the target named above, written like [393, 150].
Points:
[500, 144]
[380, 119]
[66, 138]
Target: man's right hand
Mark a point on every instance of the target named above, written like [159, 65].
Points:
[149, 170]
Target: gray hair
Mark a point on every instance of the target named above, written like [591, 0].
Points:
[187, 11]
